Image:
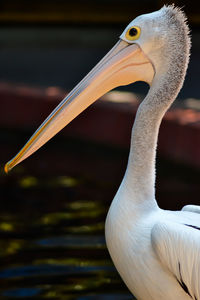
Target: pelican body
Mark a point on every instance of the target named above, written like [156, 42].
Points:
[156, 252]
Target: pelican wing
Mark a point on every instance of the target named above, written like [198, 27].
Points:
[192, 208]
[178, 249]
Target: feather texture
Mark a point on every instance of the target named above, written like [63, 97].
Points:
[156, 252]
[178, 248]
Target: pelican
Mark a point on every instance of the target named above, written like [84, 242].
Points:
[156, 252]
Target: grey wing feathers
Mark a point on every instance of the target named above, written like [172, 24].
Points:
[178, 248]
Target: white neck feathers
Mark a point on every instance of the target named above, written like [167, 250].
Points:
[140, 175]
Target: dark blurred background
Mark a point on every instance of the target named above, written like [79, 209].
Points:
[56, 43]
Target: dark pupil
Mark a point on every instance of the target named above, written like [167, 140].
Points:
[133, 32]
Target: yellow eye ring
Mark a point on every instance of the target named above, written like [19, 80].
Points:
[133, 33]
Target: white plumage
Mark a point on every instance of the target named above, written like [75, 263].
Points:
[156, 252]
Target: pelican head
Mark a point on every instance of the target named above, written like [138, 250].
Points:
[145, 51]
[161, 34]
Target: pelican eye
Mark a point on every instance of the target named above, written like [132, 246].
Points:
[133, 33]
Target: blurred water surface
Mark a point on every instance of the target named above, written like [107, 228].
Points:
[53, 209]
[52, 242]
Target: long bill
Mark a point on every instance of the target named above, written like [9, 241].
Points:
[125, 63]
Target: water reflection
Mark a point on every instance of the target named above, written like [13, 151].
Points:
[52, 242]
